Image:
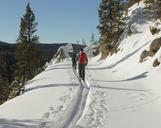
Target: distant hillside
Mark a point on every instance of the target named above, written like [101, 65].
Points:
[48, 49]
[6, 47]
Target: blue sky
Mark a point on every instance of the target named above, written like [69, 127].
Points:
[58, 20]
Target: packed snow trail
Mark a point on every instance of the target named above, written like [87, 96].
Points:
[96, 110]
[83, 105]
[68, 117]
[77, 106]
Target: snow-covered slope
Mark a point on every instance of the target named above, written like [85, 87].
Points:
[132, 46]
[131, 89]
[119, 92]
[46, 97]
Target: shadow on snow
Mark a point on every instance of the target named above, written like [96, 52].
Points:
[50, 86]
[141, 76]
[121, 60]
[11, 123]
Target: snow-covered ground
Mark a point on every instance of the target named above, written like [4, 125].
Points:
[119, 92]
[46, 96]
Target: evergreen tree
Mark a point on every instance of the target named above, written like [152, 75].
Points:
[118, 19]
[105, 25]
[4, 71]
[111, 24]
[2, 67]
[9, 66]
[4, 83]
[26, 53]
[92, 38]
[105, 19]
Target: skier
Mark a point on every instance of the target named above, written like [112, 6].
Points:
[83, 60]
[74, 60]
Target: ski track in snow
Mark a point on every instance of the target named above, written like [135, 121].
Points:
[69, 111]
[82, 102]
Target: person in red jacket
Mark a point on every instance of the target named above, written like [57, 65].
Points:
[83, 60]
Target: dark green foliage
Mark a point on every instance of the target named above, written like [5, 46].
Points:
[118, 20]
[4, 82]
[105, 19]
[111, 24]
[26, 53]
[7, 63]
[105, 25]
[7, 66]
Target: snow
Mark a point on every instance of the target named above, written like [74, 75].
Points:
[44, 92]
[119, 92]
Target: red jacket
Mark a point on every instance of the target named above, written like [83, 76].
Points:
[83, 58]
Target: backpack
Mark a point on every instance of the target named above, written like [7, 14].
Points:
[82, 58]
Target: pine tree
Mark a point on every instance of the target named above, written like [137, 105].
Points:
[1, 67]
[92, 38]
[26, 53]
[4, 69]
[9, 61]
[111, 24]
[105, 26]
[118, 18]
[105, 19]
[4, 83]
